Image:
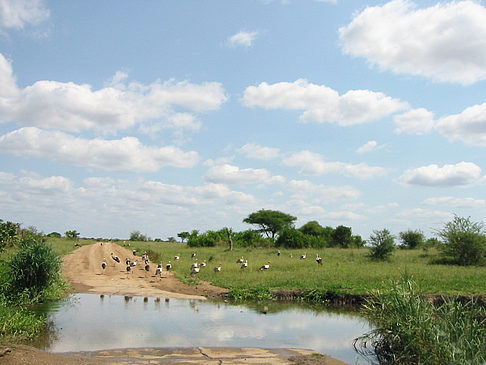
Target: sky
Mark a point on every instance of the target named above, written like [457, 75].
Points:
[169, 116]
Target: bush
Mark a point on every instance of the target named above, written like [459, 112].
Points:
[250, 238]
[9, 234]
[412, 239]
[463, 242]
[33, 268]
[382, 244]
[412, 330]
[292, 238]
[342, 236]
[208, 239]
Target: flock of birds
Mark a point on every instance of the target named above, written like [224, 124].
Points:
[195, 266]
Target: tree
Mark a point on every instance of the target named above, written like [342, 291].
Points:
[183, 235]
[342, 236]
[412, 239]
[292, 238]
[312, 228]
[271, 222]
[463, 241]
[74, 235]
[382, 244]
[138, 236]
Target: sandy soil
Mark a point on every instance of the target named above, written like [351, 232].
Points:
[82, 269]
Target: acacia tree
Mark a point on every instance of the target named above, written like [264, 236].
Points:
[271, 222]
[183, 235]
[74, 235]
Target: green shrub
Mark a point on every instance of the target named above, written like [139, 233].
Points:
[382, 244]
[463, 242]
[412, 330]
[411, 239]
[9, 234]
[292, 238]
[33, 268]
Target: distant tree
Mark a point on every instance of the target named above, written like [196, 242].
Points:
[170, 239]
[9, 234]
[183, 235]
[137, 236]
[312, 228]
[74, 235]
[54, 234]
[357, 241]
[292, 238]
[342, 237]
[463, 241]
[382, 244]
[412, 239]
[271, 222]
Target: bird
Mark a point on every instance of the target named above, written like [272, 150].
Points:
[147, 267]
[168, 266]
[127, 261]
[193, 254]
[265, 267]
[304, 256]
[318, 259]
[158, 270]
[195, 270]
[290, 255]
[244, 265]
[177, 257]
[278, 253]
[116, 258]
[194, 265]
[134, 252]
[129, 269]
[240, 260]
[203, 264]
[133, 263]
[103, 264]
[217, 268]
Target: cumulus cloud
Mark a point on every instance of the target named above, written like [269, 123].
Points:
[322, 104]
[72, 107]
[460, 174]
[449, 201]
[445, 42]
[242, 38]
[15, 14]
[417, 121]
[301, 189]
[367, 147]
[253, 150]
[311, 163]
[468, 127]
[230, 174]
[126, 154]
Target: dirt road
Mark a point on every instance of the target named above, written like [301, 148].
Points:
[82, 269]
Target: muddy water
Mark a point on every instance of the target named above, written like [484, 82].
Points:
[88, 322]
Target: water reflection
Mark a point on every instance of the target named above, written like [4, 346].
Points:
[91, 322]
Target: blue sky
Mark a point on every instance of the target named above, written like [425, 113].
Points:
[167, 116]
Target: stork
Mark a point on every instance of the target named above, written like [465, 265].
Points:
[134, 252]
[265, 267]
[168, 266]
[195, 265]
[244, 265]
[318, 259]
[278, 253]
[193, 255]
[116, 258]
[195, 270]
[177, 257]
[103, 264]
[217, 268]
[203, 264]
[127, 261]
[304, 256]
[158, 270]
[240, 260]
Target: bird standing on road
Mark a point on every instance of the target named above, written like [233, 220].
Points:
[168, 266]
[103, 264]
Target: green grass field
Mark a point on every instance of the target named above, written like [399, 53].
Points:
[343, 270]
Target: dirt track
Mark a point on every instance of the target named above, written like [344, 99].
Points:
[82, 269]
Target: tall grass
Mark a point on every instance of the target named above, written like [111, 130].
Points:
[411, 330]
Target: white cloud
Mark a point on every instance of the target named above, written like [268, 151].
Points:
[16, 14]
[230, 174]
[311, 163]
[126, 154]
[460, 174]
[367, 147]
[468, 126]
[445, 42]
[417, 121]
[72, 107]
[322, 104]
[252, 150]
[449, 201]
[301, 189]
[242, 38]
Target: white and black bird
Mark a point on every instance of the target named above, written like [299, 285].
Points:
[177, 257]
[134, 252]
[147, 267]
[133, 263]
[129, 269]
[195, 270]
[103, 264]
[244, 265]
[278, 253]
[217, 268]
[168, 266]
[193, 255]
[240, 260]
[304, 256]
[265, 267]
[158, 270]
[127, 261]
[194, 265]
[318, 259]
[203, 264]
[114, 257]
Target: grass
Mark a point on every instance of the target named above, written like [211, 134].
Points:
[347, 271]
